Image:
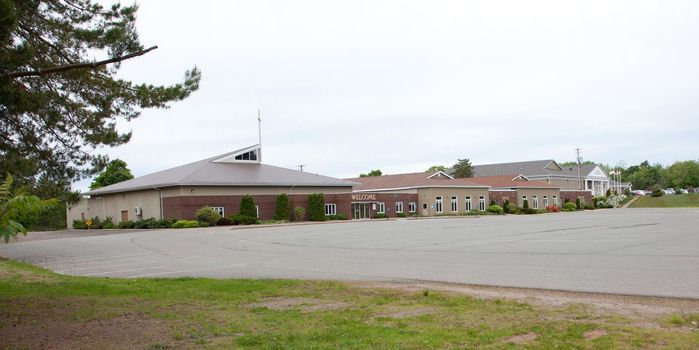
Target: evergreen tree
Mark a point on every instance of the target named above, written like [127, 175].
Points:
[316, 207]
[247, 206]
[58, 104]
[506, 207]
[463, 169]
[525, 205]
[117, 171]
[282, 211]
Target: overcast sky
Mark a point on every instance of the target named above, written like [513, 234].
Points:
[350, 86]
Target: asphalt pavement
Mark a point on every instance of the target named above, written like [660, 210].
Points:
[628, 251]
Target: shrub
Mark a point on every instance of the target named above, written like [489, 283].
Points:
[495, 209]
[127, 224]
[506, 207]
[493, 202]
[247, 206]
[299, 213]
[529, 211]
[609, 192]
[108, 223]
[224, 222]
[207, 215]
[282, 211]
[402, 215]
[569, 207]
[578, 204]
[513, 209]
[627, 192]
[590, 207]
[599, 201]
[165, 223]
[185, 224]
[525, 205]
[316, 207]
[380, 216]
[552, 209]
[95, 223]
[339, 216]
[79, 225]
[147, 223]
[241, 219]
[656, 191]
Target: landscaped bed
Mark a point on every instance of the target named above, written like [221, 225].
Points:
[41, 309]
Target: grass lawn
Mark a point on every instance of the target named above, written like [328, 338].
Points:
[668, 201]
[40, 309]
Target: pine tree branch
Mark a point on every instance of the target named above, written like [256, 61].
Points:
[67, 67]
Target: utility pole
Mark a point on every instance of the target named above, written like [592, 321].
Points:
[579, 159]
[259, 135]
[300, 166]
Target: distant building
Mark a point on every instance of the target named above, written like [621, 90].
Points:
[549, 171]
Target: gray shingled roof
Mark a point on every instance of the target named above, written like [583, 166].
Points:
[528, 168]
[208, 173]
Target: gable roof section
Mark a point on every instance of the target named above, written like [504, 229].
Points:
[586, 170]
[409, 181]
[207, 172]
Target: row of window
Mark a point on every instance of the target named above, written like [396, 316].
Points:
[535, 201]
[439, 208]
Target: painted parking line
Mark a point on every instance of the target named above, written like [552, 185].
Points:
[127, 270]
[183, 271]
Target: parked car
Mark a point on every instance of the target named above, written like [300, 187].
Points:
[639, 192]
[684, 191]
[669, 191]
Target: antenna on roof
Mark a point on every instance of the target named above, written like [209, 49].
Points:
[259, 135]
[300, 166]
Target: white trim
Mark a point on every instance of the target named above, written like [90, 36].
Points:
[380, 207]
[221, 212]
[520, 176]
[413, 205]
[401, 207]
[481, 203]
[440, 173]
[468, 203]
[454, 204]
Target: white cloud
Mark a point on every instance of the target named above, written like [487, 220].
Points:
[350, 86]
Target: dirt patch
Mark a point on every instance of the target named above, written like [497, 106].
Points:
[26, 276]
[126, 331]
[635, 307]
[406, 313]
[303, 304]
[522, 339]
[594, 334]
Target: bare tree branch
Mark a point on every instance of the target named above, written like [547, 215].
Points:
[67, 67]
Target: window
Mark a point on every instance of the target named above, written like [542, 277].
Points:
[380, 208]
[252, 155]
[535, 202]
[546, 201]
[330, 209]
[481, 203]
[257, 211]
[399, 207]
[468, 203]
[438, 204]
[555, 200]
[219, 210]
[454, 204]
[412, 206]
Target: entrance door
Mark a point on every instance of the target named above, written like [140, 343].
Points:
[124, 215]
[360, 210]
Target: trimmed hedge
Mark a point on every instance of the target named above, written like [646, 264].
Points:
[185, 224]
[569, 207]
[299, 213]
[244, 220]
[495, 209]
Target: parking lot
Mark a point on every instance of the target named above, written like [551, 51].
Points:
[628, 251]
